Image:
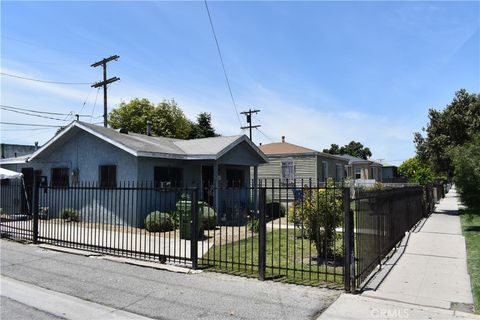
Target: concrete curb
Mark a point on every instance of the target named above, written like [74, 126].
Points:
[134, 262]
[60, 304]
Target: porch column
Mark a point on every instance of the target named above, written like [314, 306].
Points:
[216, 187]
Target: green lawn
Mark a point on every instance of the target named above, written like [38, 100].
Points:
[471, 230]
[288, 259]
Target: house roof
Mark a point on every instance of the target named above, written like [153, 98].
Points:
[158, 147]
[278, 149]
[17, 160]
[284, 148]
[353, 159]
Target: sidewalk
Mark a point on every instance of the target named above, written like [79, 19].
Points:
[430, 280]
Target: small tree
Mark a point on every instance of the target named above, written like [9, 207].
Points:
[417, 171]
[320, 212]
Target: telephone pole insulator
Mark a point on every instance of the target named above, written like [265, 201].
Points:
[105, 82]
[248, 115]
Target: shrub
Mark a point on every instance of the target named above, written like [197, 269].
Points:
[160, 221]
[274, 210]
[254, 225]
[69, 214]
[466, 161]
[320, 212]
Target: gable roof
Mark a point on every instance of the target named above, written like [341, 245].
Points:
[288, 149]
[284, 148]
[141, 145]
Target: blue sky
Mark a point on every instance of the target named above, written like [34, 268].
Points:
[321, 72]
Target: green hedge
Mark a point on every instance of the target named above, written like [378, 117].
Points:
[69, 214]
[158, 221]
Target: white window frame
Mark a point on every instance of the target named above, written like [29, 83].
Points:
[288, 164]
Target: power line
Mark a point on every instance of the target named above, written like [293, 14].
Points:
[44, 81]
[23, 129]
[223, 65]
[41, 112]
[30, 124]
[271, 140]
[94, 104]
[31, 114]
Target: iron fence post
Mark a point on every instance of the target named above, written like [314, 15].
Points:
[35, 196]
[349, 239]
[262, 237]
[194, 230]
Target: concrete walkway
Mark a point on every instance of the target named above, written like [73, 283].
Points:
[429, 281]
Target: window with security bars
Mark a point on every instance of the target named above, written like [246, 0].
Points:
[108, 176]
[60, 177]
[288, 172]
[168, 177]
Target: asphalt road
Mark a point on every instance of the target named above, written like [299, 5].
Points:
[155, 293]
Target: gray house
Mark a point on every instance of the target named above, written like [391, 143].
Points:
[86, 152]
[289, 162]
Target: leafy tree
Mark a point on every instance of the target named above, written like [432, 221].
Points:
[203, 127]
[334, 149]
[447, 129]
[416, 171]
[354, 148]
[167, 118]
[466, 160]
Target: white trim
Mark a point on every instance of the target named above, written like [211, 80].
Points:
[144, 153]
[78, 125]
[237, 142]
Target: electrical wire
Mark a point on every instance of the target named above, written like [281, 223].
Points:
[29, 124]
[23, 129]
[44, 81]
[31, 114]
[223, 64]
[271, 140]
[39, 111]
[94, 104]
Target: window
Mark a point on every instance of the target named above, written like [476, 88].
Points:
[338, 172]
[168, 177]
[358, 173]
[372, 173]
[108, 176]
[324, 170]
[288, 172]
[235, 177]
[60, 177]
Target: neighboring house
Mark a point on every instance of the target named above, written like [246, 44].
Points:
[86, 152]
[289, 162]
[389, 172]
[16, 150]
[362, 170]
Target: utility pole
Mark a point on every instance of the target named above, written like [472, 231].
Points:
[104, 83]
[248, 114]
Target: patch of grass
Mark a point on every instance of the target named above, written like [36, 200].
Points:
[290, 258]
[471, 230]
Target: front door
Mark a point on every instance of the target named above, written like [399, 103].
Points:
[207, 184]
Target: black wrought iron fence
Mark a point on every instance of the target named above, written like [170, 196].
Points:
[381, 218]
[299, 231]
